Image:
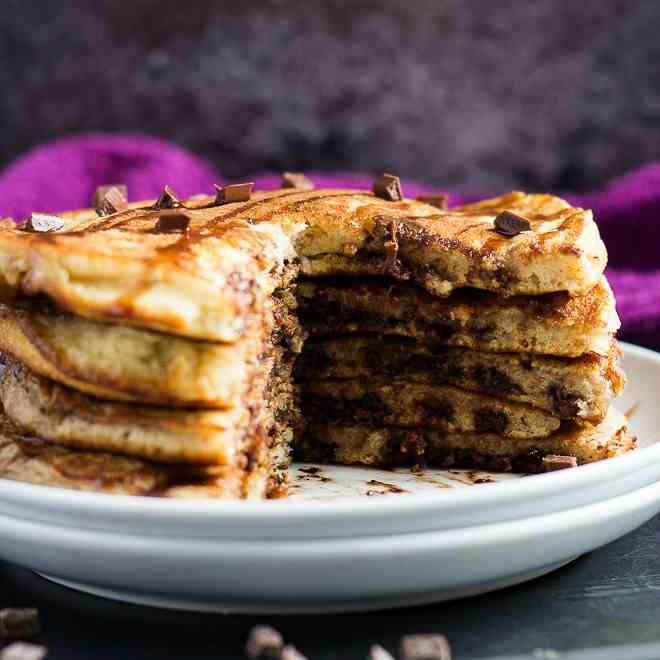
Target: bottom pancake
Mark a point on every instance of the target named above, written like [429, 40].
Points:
[388, 447]
[28, 459]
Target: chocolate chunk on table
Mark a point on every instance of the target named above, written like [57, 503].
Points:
[425, 647]
[23, 651]
[264, 643]
[19, 623]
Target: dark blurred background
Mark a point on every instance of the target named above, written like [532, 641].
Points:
[472, 95]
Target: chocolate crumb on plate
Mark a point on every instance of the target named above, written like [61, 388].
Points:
[264, 643]
[172, 221]
[43, 222]
[437, 199]
[167, 200]
[110, 199]
[291, 653]
[511, 224]
[236, 192]
[296, 180]
[425, 647]
[388, 187]
[23, 651]
[19, 623]
[553, 462]
[377, 652]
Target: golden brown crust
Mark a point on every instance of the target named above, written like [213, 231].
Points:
[207, 282]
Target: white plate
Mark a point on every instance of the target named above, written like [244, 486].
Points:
[330, 547]
[332, 503]
[323, 575]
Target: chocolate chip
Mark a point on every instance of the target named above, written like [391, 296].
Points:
[510, 224]
[438, 200]
[296, 180]
[167, 200]
[237, 192]
[490, 420]
[291, 653]
[23, 651]
[19, 623]
[553, 462]
[110, 199]
[388, 187]
[172, 221]
[43, 223]
[425, 647]
[264, 643]
[377, 652]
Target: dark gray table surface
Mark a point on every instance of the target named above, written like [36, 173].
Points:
[608, 597]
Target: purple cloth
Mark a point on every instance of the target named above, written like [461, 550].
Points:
[64, 174]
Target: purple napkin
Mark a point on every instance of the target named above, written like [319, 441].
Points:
[64, 174]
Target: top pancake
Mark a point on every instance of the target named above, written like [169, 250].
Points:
[209, 281]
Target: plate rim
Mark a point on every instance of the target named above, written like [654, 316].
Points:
[202, 510]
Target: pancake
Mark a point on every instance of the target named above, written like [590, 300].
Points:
[123, 363]
[31, 460]
[59, 414]
[387, 447]
[553, 324]
[384, 401]
[210, 281]
[567, 388]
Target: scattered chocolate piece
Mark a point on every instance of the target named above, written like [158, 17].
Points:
[237, 192]
[510, 224]
[167, 200]
[291, 653]
[23, 651]
[388, 187]
[377, 652]
[42, 222]
[425, 647]
[172, 221]
[553, 462]
[19, 623]
[110, 199]
[296, 180]
[438, 200]
[264, 642]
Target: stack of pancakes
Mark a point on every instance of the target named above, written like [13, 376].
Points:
[183, 348]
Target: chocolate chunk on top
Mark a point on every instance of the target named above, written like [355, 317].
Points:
[237, 192]
[19, 623]
[23, 651]
[43, 223]
[264, 643]
[553, 462]
[172, 221]
[437, 199]
[167, 200]
[388, 187]
[377, 652]
[425, 647]
[511, 224]
[296, 180]
[110, 199]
